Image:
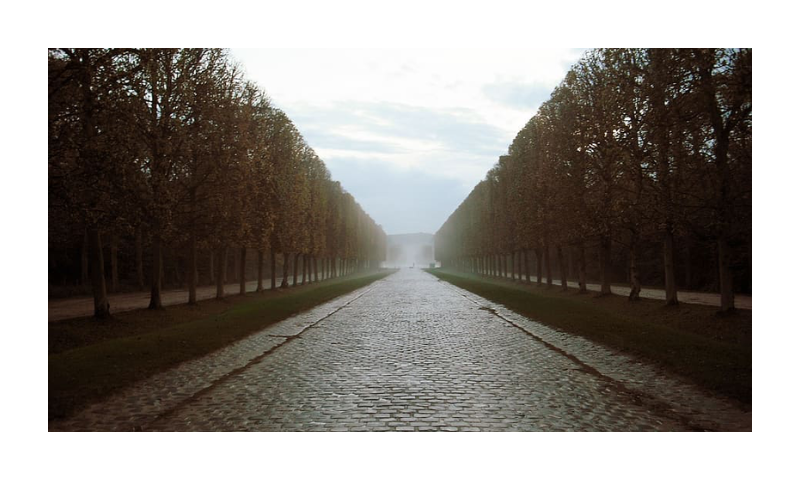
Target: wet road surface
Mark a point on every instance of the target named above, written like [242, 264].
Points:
[411, 353]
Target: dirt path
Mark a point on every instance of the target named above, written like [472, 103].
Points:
[61, 309]
[743, 302]
[82, 307]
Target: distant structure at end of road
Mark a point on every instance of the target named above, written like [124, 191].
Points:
[410, 249]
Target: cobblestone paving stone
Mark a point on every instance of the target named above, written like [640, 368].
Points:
[411, 353]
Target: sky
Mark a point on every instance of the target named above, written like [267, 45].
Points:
[408, 133]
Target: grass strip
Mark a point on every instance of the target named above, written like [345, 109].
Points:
[84, 374]
[646, 330]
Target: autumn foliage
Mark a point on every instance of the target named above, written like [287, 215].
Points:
[167, 165]
[641, 160]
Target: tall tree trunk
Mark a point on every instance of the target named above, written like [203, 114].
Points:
[294, 269]
[688, 278]
[514, 266]
[670, 286]
[285, 280]
[582, 268]
[139, 259]
[114, 247]
[85, 258]
[155, 277]
[570, 263]
[538, 266]
[260, 286]
[236, 265]
[527, 266]
[222, 266]
[192, 280]
[273, 273]
[212, 278]
[316, 266]
[192, 274]
[102, 309]
[242, 277]
[725, 276]
[547, 266]
[562, 268]
[636, 286]
[605, 266]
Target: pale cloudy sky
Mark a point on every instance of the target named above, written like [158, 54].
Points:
[408, 132]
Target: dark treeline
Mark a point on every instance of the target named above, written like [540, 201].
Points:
[166, 166]
[637, 169]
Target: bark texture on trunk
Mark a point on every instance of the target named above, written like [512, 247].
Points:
[670, 287]
[725, 277]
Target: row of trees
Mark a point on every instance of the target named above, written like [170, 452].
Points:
[634, 147]
[173, 149]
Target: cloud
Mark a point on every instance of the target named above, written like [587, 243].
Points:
[520, 96]
[401, 200]
[409, 132]
[387, 128]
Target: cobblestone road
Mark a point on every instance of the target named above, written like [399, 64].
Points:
[411, 353]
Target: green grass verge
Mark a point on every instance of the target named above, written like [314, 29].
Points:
[690, 340]
[139, 344]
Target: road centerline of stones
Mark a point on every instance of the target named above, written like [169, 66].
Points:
[637, 397]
